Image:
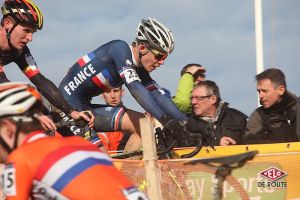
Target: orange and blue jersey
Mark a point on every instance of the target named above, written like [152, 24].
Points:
[63, 168]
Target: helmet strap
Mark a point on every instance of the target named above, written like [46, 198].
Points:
[5, 145]
[140, 58]
[8, 35]
[19, 125]
[141, 55]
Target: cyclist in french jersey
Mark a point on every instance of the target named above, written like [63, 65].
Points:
[41, 167]
[21, 18]
[116, 63]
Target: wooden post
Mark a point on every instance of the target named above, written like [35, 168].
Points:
[152, 172]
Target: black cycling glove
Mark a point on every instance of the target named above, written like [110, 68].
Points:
[177, 129]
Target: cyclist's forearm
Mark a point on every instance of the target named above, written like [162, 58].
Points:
[51, 93]
[145, 99]
[167, 105]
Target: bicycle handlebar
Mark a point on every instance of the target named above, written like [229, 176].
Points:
[198, 146]
[81, 123]
[140, 152]
[198, 138]
[166, 148]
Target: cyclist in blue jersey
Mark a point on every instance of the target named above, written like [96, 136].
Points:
[116, 63]
[21, 19]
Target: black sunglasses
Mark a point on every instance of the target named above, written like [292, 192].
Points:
[158, 56]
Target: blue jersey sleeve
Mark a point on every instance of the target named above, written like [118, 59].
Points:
[145, 99]
[167, 105]
[147, 93]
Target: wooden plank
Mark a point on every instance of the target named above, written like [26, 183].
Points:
[152, 172]
[207, 152]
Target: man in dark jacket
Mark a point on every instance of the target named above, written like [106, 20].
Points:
[223, 125]
[276, 120]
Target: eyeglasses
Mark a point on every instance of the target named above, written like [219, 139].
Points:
[158, 56]
[200, 98]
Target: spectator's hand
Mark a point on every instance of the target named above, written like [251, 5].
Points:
[193, 69]
[226, 141]
[47, 123]
[77, 115]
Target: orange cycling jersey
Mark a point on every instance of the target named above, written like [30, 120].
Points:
[63, 168]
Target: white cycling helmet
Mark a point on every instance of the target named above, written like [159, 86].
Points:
[17, 98]
[156, 35]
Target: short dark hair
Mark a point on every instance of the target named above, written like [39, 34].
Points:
[276, 76]
[211, 89]
[188, 66]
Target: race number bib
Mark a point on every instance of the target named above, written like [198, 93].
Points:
[130, 75]
[8, 179]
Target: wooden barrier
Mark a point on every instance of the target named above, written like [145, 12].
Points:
[150, 159]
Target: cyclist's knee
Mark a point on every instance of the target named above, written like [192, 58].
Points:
[131, 120]
[108, 118]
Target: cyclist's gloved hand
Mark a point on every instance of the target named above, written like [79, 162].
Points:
[177, 129]
[81, 122]
[84, 117]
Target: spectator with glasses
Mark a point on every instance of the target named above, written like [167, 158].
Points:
[211, 113]
[116, 63]
[190, 74]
